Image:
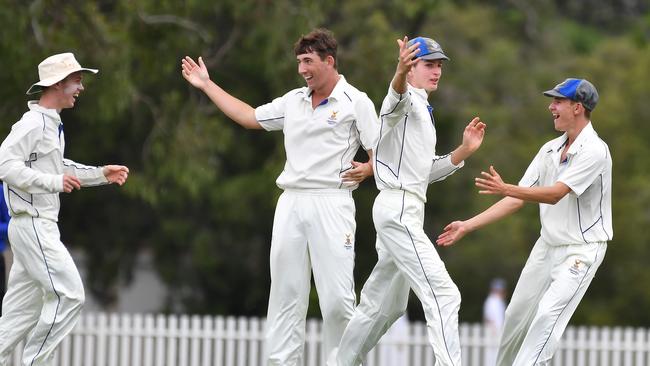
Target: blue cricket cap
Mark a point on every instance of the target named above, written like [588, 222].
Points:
[429, 49]
[578, 90]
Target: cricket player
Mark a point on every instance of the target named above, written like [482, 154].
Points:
[571, 179]
[324, 124]
[44, 291]
[405, 164]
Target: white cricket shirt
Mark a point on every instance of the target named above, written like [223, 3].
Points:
[32, 164]
[320, 142]
[585, 214]
[405, 157]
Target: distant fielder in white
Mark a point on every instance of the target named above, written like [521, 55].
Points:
[405, 164]
[44, 291]
[324, 125]
[494, 309]
[571, 179]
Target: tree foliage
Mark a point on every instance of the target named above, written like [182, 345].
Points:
[201, 193]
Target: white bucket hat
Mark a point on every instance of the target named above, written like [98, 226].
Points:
[56, 68]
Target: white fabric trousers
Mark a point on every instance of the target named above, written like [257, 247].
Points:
[406, 260]
[550, 287]
[312, 230]
[44, 292]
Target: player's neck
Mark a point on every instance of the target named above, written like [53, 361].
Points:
[326, 90]
[49, 101]
[573, 132]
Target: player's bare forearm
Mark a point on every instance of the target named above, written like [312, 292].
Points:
[456, 230]
[235, 109]
[491, 183]
[504, 207]
[550, 195]
[197, 75]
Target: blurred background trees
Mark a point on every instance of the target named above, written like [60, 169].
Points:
[201, 193]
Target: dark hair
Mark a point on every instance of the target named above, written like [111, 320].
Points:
[320, 41]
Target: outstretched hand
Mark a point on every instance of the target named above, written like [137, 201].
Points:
[195, 74]
[116, 173]
[491, 183]
[473, 134]
[453, 233]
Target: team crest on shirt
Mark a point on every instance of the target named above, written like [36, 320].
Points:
[348, 241]
[332, 119]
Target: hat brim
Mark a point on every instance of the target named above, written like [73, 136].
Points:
[434, 56]
[42, 84]
[555, 94]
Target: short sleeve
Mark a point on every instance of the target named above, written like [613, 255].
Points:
[271, 115]
[532, 174]
[367, 122]
[582, 170]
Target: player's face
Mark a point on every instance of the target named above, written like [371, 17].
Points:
[314, 70]
[564, 111]
[69, 89]
[425, 74]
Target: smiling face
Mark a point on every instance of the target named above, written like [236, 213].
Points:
[425, 74]
[317, 72]
[69, 89]
[564, 113]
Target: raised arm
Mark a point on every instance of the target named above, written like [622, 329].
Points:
[444, 166]
[405, 62]
[472, 140]
[235, 109]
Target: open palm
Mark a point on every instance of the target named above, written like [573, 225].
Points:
[473, 134]
[195, 74]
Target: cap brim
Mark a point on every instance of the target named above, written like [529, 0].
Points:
[434, 56]
[554, 93]
[39, 86]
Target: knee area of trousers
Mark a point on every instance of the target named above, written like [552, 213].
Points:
[337, 314]
[455, 297]
[76, 298]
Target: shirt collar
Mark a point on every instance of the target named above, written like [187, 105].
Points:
[52, 113]
[586, 133]
[338, 93]
[419, 92]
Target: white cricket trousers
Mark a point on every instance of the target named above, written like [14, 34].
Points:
[312, 230]
[406, 260]
[552, 283]
[44, 292]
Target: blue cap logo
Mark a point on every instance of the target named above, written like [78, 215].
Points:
[428, 49]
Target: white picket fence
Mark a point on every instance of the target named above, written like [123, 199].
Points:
[167, 340]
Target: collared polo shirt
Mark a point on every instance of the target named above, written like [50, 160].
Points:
[405, 157]
[585, 214]
[320, 143]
